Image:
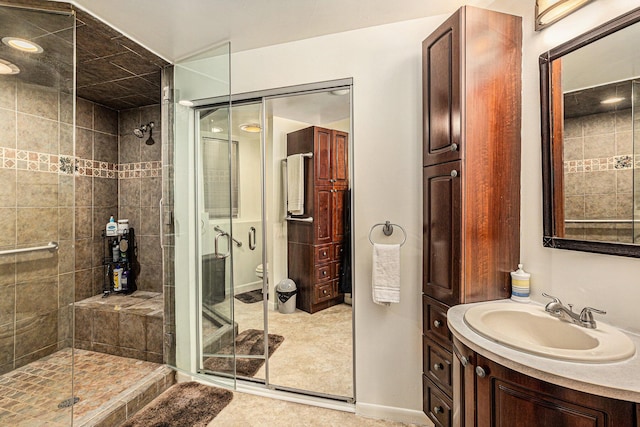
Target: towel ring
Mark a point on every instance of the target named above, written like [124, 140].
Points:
[387, 229]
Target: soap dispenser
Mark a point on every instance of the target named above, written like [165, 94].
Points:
[520, 288]
[112, 227]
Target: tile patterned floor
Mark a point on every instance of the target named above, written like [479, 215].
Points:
[105, 384]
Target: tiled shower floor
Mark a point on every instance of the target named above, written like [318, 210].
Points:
[109, 388]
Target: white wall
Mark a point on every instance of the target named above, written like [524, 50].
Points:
[602, 281]
[385, 65]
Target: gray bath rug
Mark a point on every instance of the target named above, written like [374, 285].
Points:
[250, 297]
[184, 404]
[250, 342]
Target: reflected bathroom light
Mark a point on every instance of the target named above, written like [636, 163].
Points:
[550, 11]
[216, 129]
[251, 127]
[612, 100]
[185, 102]
[22, 44]
[339, 92]
[7, 67]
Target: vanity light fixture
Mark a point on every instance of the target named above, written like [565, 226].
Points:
[550, 11]
[186, 103]
[251, 127]
[22, 44]
[612, 100]
[7, 67]
[216, 129]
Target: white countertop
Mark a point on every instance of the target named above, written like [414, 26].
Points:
[619, 380]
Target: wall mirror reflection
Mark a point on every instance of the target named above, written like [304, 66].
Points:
[275, 241]
[590, 128]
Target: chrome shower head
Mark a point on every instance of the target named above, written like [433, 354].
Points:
[139, 132]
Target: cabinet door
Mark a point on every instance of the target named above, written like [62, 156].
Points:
[441, 93]
[322, 215]
[508, 398]
[441, 228]
[322, 156]
[339, 159]
[337, 211]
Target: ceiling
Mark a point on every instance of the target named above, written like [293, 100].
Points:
[175, 29]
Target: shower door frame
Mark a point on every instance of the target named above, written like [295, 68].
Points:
[262, 97]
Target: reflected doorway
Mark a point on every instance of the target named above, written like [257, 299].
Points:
[251, 225]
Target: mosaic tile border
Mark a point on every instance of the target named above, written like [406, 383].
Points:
[602, 164]
[11, 158]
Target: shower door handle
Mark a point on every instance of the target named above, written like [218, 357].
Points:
[216, 252]
[252, 238]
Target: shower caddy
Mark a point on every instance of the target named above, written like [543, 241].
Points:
[109, 263]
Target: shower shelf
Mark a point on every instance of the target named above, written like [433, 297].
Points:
[130, 264]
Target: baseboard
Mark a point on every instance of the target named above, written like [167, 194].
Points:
[389, 413]
[247, 287]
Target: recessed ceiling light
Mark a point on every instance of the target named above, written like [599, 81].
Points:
[251, 127]
[216, 129]
[22, 44]
[185, 102]
[612, 100]
[7, 67]
[339, 92]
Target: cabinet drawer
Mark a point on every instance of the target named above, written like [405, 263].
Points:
[434, 321]
[436, 365]
[322, 254]
[337, 251]
[324, 272]
[325, 291]
[436, 404]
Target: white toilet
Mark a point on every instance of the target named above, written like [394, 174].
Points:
[260, 270]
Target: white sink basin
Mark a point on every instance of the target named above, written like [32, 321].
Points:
[529, 328]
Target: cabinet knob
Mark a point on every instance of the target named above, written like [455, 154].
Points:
[454, 147]
[437, 410]
[464, 361]
[481, 372]
[438, 366]
[324, 253]
[324, 273]
[437, 323]
[454, 173]
[324, 291]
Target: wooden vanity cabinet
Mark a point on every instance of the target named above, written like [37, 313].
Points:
[315, 248]
[494, 395]
[471, 177]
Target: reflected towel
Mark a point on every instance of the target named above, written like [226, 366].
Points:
[295, 184]
[386, 274]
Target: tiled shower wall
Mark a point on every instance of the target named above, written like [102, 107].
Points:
[36, 206]
[119, 175]
[598, 176]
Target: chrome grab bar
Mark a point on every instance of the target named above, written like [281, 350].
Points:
[51, 246]
[252, 238]
[308, 219]
[236, 241]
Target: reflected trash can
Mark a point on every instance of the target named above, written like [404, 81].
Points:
[286, 292]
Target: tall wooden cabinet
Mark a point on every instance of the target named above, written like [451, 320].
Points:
[315, 248]
[471, 178]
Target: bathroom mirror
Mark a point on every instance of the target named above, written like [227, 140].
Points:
[589, 88]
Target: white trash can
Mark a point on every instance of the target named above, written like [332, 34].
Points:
[286, 293]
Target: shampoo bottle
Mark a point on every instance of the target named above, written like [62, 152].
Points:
[115, 250]
[117, 278]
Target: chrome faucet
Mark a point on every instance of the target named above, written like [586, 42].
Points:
[584, 318]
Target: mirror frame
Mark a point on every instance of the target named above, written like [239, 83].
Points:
[551, 151]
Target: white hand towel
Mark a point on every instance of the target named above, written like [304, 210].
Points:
[386, 274]
[295, 184]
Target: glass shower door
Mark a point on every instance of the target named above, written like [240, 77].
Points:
[201, 203]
